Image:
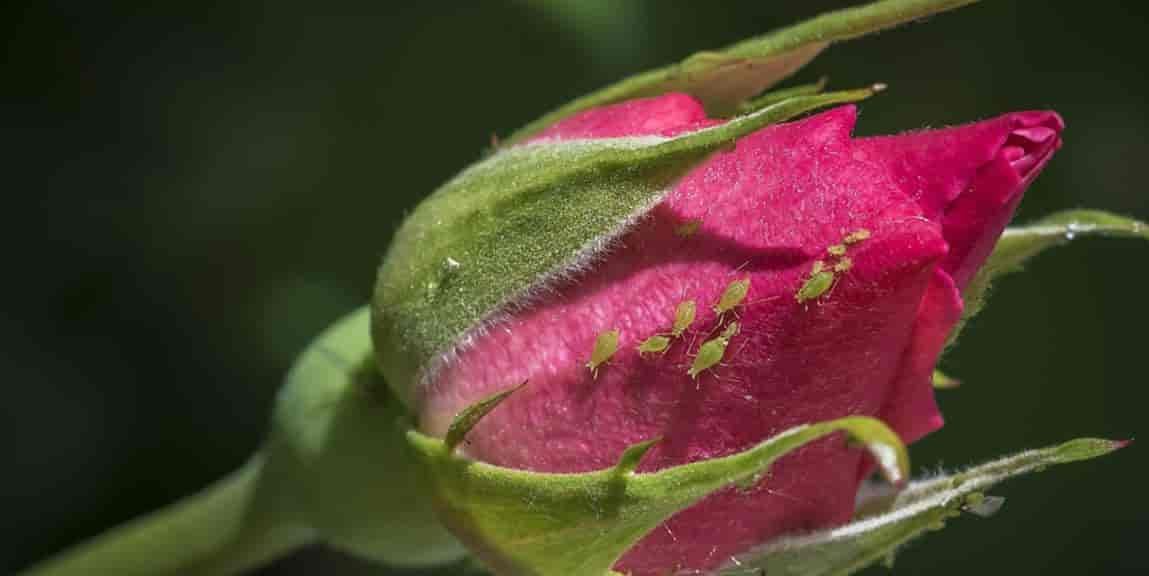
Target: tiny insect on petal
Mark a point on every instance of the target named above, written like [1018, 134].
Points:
[836, 250]
[734, 294]
[654, 344]
[816, 285]
[844, 264]
[683, 317]
[687, 229]
[817, 267]
[712, 351]
[604, 347]
[856, 236]
[709, 354]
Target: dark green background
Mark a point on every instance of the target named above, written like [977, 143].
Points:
[193, 191]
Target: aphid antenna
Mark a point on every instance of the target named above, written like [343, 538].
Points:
[761, 300]
[719, 321]
[782, 494]
[722, 378]
[745, 342]
[694, 340]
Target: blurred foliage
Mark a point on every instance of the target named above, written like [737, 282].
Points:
[195, 189]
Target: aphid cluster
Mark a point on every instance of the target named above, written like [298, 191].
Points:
[823, 278]
[709, 354]
[683, 318]
[823, 275]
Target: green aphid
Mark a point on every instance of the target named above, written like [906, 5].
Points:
[816, 285]
[837, 250]
[856, 236]
[734, 294]
[604, 347]
[688, 228]
[654, 345]
[683, 317]
[711, 351]
[844, 264]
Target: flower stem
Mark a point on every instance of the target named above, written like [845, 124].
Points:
[230, 526]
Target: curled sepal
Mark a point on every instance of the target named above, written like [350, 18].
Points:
[723, 79]
[471, 415]
[539, 524]
[526, 215]
[886, 522]
[1020, 243]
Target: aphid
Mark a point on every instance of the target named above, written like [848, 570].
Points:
[816, 285]
[817, 267]
[844, 264]
[688, 228]
[981, 505]
[711, 351]
[734, 294]
[837, 250]
[604, 347]
[683, 317]
[856, 236]
[654, 344]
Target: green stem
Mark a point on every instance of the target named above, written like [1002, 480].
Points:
[228, 527]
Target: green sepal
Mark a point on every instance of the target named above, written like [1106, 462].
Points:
[539, 524]
[525, 215]
[885, 523]
[723, 79]
[471, 415]
[775, 96]
[1019, 244]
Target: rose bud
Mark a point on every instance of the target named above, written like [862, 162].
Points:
[625, 334]
[828, 269]
[634, 338]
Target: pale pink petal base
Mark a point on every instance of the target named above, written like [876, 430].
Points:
[768, 209]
